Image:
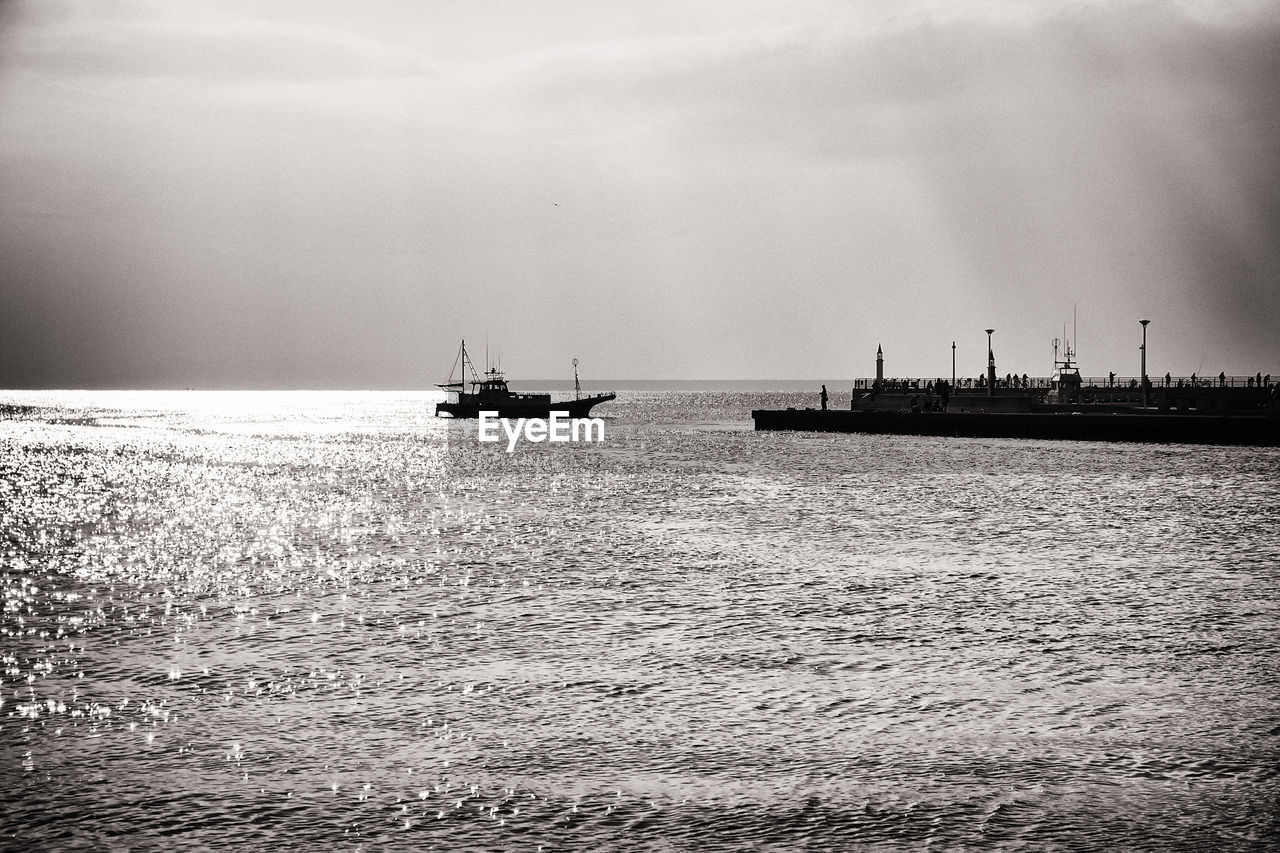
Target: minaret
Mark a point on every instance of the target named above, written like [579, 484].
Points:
[991, 366]
[879, 365]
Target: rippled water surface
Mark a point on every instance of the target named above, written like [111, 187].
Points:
[322, 619]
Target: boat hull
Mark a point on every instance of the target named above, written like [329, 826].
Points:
[1258, 430]
[580, 408]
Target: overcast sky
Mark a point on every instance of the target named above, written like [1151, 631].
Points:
[304, 193]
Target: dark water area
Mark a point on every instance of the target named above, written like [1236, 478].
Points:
[804, 387]
[330, 619]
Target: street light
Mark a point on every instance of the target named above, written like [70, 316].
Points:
[1145, 384]
[953, 366]
[991, 367]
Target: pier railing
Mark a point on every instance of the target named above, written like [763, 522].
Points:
[1176, 394]
[1100, 383]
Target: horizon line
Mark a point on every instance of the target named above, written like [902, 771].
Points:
[1157, 380]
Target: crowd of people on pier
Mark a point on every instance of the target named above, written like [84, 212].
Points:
[1012, 380]
[937, 392]
[903, 386]
[1067, 386]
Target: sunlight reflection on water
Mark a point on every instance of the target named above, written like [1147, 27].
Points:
[318, 617]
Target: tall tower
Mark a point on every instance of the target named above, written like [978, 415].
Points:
[991, 366]
[879, 365]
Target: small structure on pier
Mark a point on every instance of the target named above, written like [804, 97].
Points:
[1066, 383]
[991, 366]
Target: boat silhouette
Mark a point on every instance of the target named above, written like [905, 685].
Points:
[490, 393]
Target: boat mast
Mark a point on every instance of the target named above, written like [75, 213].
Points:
[468, 366]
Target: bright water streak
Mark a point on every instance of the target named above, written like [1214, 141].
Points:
[320, 619]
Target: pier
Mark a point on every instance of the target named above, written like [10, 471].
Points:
[1191, 409]
[1224, 410]
[1145, 426]
[1181, 394]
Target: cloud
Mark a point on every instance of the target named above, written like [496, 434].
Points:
[206, 48]
[701, 195]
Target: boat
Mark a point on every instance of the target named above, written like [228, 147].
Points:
[490, 393]
[1066, 384]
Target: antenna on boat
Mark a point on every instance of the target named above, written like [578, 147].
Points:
[462, 354]
[470, 367]
[577, 387]
[467, 366]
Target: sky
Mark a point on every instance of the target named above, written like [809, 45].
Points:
[315, 194]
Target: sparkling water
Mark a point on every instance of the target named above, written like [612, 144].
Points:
[330, 619]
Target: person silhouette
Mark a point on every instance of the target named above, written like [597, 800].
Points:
[823, 398]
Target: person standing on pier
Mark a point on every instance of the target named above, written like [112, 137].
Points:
[823, 398]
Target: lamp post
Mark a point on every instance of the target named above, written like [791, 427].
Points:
[1145, 384]
[953, 367]
[991, 367]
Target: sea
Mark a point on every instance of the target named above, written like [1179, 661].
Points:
[330, 620]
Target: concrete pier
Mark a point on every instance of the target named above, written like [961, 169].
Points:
[1144, 426]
